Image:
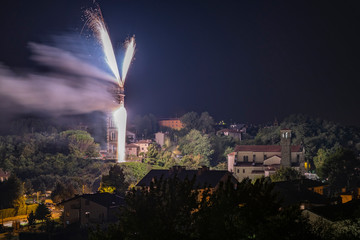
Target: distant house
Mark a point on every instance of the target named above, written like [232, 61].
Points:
[132, 150]
[336, 212]
[4, 175]
[254, 161]
[143, 145]
[235, 133]
[303, 192]
[173, 123]
[203, 176]
[90, 209]
[160, 138]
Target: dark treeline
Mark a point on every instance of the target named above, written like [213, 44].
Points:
[174, 209]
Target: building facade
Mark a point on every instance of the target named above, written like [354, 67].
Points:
[254, 161]
[111, 137]
[90, 209]
[173, 123]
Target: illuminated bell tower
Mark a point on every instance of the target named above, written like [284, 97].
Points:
[112, 130]
[285, 143]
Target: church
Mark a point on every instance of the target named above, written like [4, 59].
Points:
[255, 161]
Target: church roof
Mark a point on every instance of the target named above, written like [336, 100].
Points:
[264, 148]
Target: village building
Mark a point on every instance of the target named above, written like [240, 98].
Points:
[203, 176]
[91, 209]
[235, 133]
[143, 145]
[255, 161]
[173, 123]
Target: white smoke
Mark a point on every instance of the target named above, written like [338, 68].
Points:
[74, 86]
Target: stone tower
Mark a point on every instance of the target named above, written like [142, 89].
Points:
[285, 143]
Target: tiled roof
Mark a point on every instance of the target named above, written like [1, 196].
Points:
[264, 148]
[132, 145]
[203, 177]
[104, 199]
[296, 191]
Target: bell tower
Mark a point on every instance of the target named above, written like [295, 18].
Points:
[285, 143]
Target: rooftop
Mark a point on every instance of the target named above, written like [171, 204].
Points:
[264, 148]
[204, 177]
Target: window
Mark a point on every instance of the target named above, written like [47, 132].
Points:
[243, 170]
[297, 158]
[238, 171]
[246, 158]
[113, 136]
[265, 157]
[254, 157]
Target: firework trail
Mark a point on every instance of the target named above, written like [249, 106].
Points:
[96, 22]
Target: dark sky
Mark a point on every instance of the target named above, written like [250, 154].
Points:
[249, 61]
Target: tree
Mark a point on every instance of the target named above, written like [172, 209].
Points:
[320, 158]
[80, 143]
[31, 219]
[42, 213]
[152, 154]
[196, 144]
[190, 120]
[206, 123]
[13, 193]
[115, 179]
[175, 209]
[62, 192]
[341, 169]
[285, 174]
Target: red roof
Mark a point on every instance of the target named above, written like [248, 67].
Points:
[264, 148]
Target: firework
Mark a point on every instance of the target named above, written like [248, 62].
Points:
[129, 54]
[96, 22]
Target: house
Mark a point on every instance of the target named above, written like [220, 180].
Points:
[203, 176]
[235, 133]
[161, 138]
[4, 175]
[300, 192]
[173, 123]
[254, 161]
[90, 209]
[132, 150]
[143, 145]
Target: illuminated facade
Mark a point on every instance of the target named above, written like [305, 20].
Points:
[111, 137]
[254, 161]
[173, 123]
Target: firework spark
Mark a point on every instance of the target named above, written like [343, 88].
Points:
[96, 22]
[130, 50]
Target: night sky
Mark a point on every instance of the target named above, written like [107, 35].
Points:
[249, 61]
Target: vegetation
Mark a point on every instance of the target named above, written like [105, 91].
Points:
[314, 134]
[115, 181]
[172, 209]
[42, 213]
[41, 160]
[340, 169]
[285, 174]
